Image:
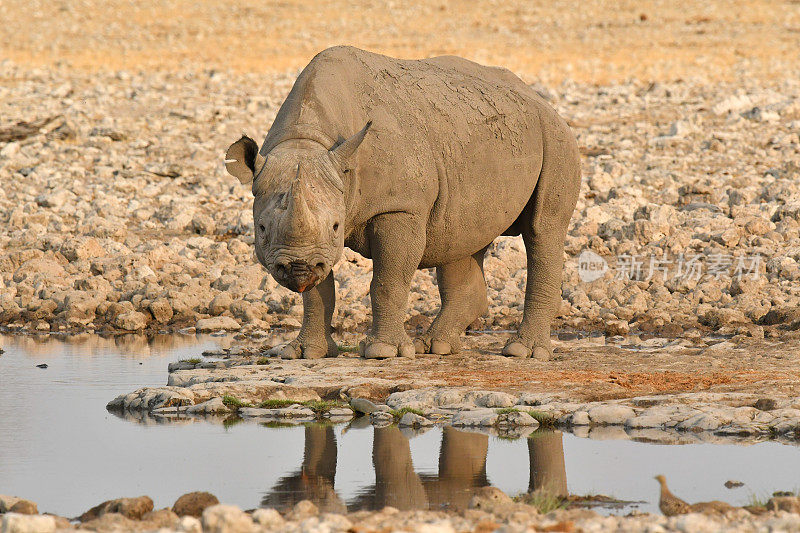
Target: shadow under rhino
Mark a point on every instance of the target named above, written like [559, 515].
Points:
[462, 470]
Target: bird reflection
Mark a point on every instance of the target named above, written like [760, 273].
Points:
[462, 470]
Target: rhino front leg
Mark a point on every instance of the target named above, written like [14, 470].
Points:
[397, 242]
[462, 288]
[314, 340]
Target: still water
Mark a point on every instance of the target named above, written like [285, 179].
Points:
[60, 447]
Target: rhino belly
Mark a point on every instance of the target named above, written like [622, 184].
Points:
[478, 203]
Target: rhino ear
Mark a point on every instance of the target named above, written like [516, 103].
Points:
[240, 159]
[341, 152]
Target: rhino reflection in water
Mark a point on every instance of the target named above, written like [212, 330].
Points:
[462, 470]
[314, 481]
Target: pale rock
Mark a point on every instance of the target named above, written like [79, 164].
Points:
[475, 418]
[9, 150]
[148, 399]
[130, 508]
[6, 502]
[79, 248]
[580, 418]
[189, 524]
[22, 523]
[496, 399]
[694, 523]
[412, 399]
[414, 420]
[610, 414]
[439, 526]
[336, 522]
[203, 224]
[381, 418]
[221, 303]
[55, 199]
[340, 412]
[733, 103]
[648, 420]
[268, 518]
[131, 321]
[161, 310]
[517, 419]
[212, 406]
[226, 519]
[302, 509]
[217, 323]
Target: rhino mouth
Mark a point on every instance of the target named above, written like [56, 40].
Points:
[298, 275]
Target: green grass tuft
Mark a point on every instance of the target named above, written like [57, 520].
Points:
[508, 437]
[546, 421]
[277, 403]
[322, 406]
[756, 500]
[262, 361]
[543, 500]
[233, 402]
[318, 406]
[274, 424]
[193, 360]
[760, 500]
[398, 413]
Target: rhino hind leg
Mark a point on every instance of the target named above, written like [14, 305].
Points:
[462, 288]
[544, 228]
[314, 340]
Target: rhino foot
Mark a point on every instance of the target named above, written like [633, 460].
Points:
[517, 348]
[374, 349]
[298, 349]
[436, 346]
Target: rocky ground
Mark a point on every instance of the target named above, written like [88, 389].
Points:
[723, 392]
[117, 213]
[489, 510]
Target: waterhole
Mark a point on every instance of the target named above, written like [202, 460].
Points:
[60, 447]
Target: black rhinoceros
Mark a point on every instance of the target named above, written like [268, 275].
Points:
[415, 164]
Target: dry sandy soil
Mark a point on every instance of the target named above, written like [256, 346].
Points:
[592, 41]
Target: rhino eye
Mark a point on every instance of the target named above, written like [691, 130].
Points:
[262, 228]
[335, 227]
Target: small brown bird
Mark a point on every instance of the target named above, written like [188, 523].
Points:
[670, 504]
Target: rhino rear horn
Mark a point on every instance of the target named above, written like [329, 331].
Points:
[342, 152]
[242, 159]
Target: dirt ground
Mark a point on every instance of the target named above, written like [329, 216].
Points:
[587, 369]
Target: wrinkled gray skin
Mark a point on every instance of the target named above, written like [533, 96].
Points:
[456, 154]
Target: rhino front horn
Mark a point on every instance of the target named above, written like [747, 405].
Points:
[341, 153]
[298, 215]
